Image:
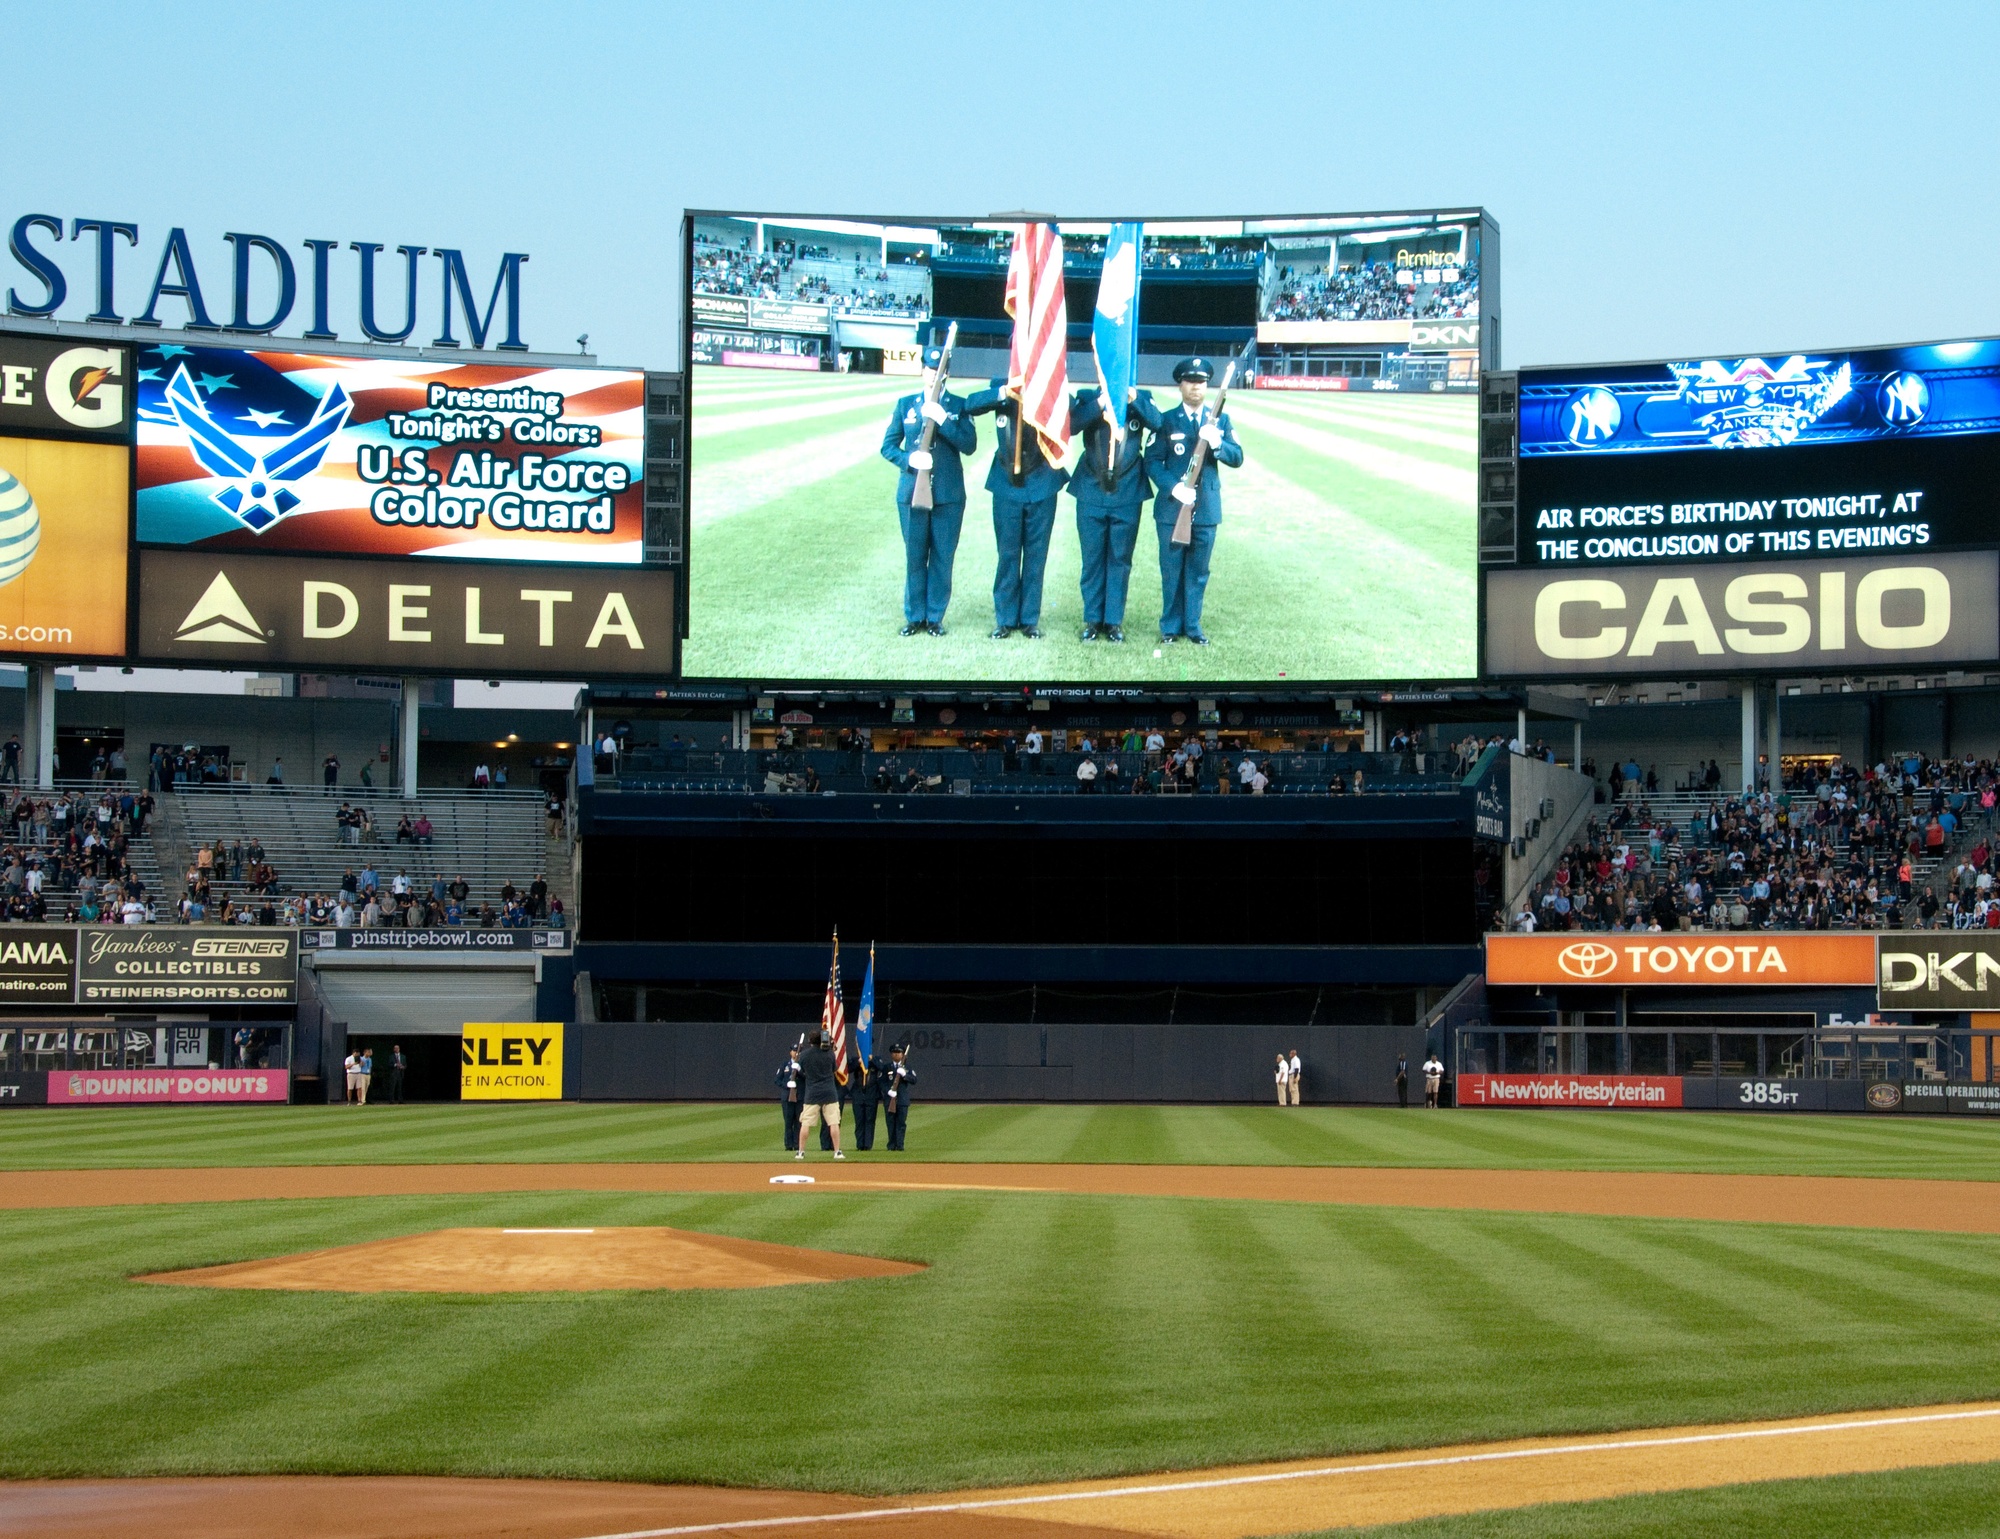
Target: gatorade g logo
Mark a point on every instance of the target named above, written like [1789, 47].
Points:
[1587, 959]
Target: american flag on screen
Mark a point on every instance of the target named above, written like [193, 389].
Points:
[1037, 368]
[833, 1015]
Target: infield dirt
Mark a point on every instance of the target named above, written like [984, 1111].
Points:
[540, 1261]
[1847, 1202]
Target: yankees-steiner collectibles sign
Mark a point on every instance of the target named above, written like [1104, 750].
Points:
[1736, 959]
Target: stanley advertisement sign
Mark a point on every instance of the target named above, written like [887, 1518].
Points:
[474, 619]
[510, 1062]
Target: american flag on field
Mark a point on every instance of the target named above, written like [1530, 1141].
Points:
[833, 1015]
[1037, 368]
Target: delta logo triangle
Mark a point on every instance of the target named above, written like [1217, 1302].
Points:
[221, 615]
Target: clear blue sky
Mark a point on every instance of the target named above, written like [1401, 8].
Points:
[1669, 180]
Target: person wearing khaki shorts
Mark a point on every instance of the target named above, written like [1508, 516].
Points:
[822, 1094]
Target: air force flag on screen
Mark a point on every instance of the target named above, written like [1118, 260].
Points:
[1114, 330]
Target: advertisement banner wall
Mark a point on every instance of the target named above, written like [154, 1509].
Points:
[133, 964]
[37, 964]
[301, 452]
[125, 1087]
[434, 941]
[64, 528]
[1629, 1092]
[1617, 960]
[223, 610]
[50, 385]
[519, 1062]
[1898, 611]
[1939, 970]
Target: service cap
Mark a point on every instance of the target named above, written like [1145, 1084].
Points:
[1193, 368]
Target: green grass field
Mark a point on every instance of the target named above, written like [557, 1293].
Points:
[1921, 1147]
[1346, 549]
[1051, 1337]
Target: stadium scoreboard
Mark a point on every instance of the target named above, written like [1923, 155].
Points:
[1822, 511]
[1338, 545]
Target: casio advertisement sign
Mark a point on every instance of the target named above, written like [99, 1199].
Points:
[1667, 621]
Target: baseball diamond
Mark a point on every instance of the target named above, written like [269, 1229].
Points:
[916, 772]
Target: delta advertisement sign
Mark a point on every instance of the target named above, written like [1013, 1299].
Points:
[1621, 961]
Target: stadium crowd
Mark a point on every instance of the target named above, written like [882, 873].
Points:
[1369, 293]
[1836, 846]
[68, 856]
[720, 269]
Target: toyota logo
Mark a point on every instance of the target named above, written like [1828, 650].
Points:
[1587, 959]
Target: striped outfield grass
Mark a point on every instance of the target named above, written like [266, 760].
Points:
[1052, 1337]
[1346, 550]
[1720, 1142]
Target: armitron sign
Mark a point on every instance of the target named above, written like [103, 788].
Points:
[1624, 960]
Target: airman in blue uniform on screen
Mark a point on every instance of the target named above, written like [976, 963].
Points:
[1184, 568]
[1109, 497]
[1024, 513]
[930, 535]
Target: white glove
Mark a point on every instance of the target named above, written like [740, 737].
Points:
[1211, 435]
[934, 412]
[920, 459]
[1183, 494]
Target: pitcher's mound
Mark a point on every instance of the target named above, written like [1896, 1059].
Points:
[541, 1261]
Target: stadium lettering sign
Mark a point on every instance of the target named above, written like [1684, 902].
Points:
[263, 272]
[1620, 962]
[1943, 608]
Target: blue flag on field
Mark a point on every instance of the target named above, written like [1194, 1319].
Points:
[864, 1016]
[1114, 330]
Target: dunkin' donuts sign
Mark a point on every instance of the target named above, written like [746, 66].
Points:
[1667, 958]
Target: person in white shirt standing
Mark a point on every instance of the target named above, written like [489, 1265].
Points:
[1284, 1080]
[1298, 1076]
[1433, 1080]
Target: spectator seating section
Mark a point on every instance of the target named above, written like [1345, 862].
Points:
[488, 837]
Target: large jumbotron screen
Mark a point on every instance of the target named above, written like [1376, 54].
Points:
[1330, 532]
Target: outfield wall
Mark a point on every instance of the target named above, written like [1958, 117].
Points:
[696, 1061]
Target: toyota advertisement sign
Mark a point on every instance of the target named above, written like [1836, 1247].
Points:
[1625, 961]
